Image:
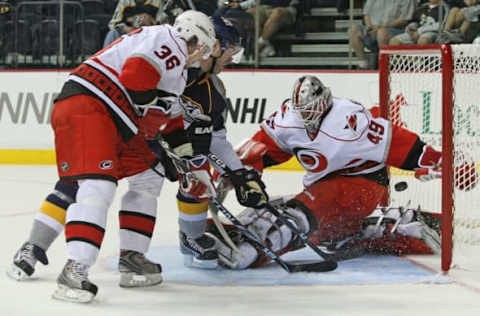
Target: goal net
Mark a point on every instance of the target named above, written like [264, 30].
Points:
[434, 90]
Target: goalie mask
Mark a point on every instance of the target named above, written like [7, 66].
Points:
[195, 25]
[311, 99]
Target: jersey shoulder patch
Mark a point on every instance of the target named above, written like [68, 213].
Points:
[346, 120]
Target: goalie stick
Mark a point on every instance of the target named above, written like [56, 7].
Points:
[293, 266]
[217, 161]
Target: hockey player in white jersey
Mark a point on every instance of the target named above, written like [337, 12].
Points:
[108, 109]
[344, 151]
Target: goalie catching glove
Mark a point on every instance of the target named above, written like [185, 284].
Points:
[249, 188]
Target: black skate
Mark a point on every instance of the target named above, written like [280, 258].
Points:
[24, 261]
[138, 271]
[200, 252]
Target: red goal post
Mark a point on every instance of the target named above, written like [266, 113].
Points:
[434, 90]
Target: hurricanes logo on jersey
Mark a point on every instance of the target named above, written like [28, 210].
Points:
[311, 160]
[64, 166]
[106, 165]
[351, 122]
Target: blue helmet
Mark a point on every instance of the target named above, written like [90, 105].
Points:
[226, 32]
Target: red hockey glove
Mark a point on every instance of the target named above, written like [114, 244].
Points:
[156, 117]
[197, 183]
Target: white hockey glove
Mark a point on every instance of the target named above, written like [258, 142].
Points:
[428, 174]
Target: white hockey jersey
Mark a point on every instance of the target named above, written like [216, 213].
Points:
[159, 45]
[148, 59]
[349, 141]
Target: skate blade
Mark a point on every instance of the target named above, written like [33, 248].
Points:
[17, 274]
[191, 262]
[132, 279]
[64, 293]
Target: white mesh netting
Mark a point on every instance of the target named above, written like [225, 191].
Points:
[415, 83]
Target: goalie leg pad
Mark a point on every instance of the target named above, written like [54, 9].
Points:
[401, 231]
[267, 228]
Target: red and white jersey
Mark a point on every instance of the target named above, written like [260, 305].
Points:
[148, 58]
[349, 141]
[161, 47]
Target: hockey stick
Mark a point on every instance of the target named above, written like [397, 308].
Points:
[217, 161]
[292, 266]
[297, 266]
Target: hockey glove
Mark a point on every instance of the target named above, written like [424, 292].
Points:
[249, 188]
[427, 174]
[197, 182]
[156, 116]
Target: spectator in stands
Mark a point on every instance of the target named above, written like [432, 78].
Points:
[5, 30]
[462, 23]
[424, 26]
[6, 8]
[274, 14]
[173, 8]
[131, 14]
[382, 20]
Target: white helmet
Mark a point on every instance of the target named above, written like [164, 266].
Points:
[311, 99]
[193, 23]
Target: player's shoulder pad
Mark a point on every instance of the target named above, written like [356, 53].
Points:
[283, 117]
[346, 120]
[162, 47]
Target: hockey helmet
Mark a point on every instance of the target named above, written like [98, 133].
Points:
[229, 36]
[310, 99]
[193, 24]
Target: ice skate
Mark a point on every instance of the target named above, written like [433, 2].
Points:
[24, 261]
[200, 252]
[138, 271]
[73, 284]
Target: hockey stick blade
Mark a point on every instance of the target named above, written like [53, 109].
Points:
[290, 267]
[319, 266]
[311, 266]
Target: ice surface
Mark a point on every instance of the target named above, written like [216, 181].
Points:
[367, 286]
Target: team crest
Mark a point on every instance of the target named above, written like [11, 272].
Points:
[311, 160]
[351, 122]
[64, 166]
[106, 165]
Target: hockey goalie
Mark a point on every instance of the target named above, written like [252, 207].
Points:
[344, 150]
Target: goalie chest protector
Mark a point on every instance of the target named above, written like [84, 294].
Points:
[348, 137]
